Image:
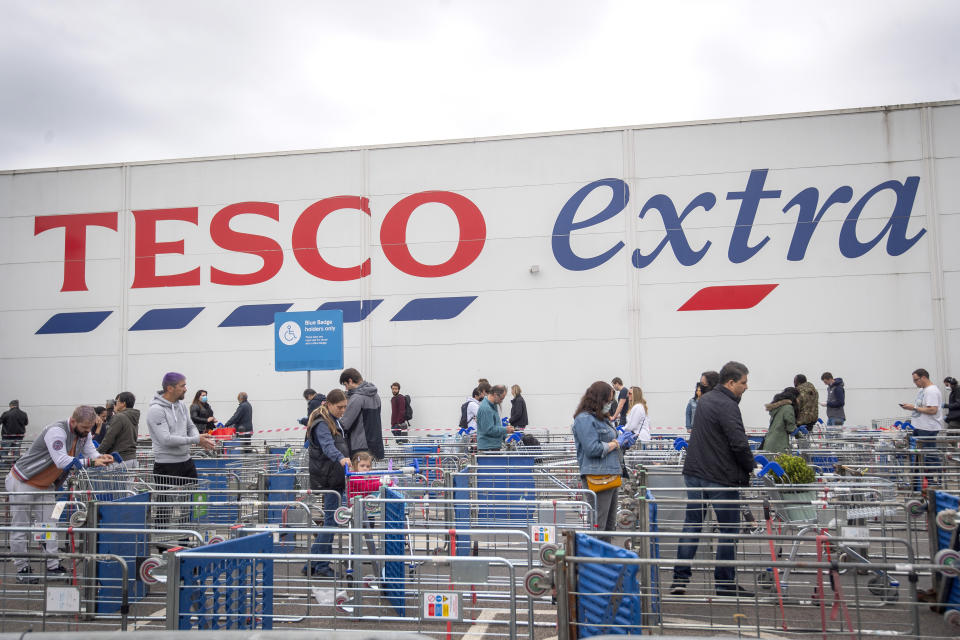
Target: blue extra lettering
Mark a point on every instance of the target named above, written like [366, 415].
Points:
[620, 195]
[673, 225]
[896, 227]
[808, 217]
[740, 249]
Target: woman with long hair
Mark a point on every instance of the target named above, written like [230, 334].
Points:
[637, 420]
[692, 405]
[598, 448]
[329, 454]
[518, 409]
[200, 412]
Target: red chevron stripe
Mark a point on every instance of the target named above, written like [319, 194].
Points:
[739, 296]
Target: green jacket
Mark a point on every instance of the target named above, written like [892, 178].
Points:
[783, 422]
[490, 433]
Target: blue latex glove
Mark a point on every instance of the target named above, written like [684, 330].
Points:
[504, 421]
[803, 430]
[626, 439]
[796, 432]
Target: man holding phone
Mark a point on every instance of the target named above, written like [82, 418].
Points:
[926, 417]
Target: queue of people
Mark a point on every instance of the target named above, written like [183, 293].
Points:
[344, 433]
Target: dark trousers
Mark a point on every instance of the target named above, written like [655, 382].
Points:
[700, 493]
[168, 478]
[324, 540]
[400, 432]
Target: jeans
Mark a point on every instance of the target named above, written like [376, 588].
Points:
[700, 493]
[835, 422]
[324, 541]
[929, 463]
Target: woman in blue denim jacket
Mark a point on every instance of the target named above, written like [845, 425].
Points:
[598, 447]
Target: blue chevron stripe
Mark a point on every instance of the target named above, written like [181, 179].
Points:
[353, 310]
[77, 322]
[258, 315]
[254, 315]
[433, 308]
[156, 319]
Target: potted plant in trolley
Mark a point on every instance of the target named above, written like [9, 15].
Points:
[796, 486]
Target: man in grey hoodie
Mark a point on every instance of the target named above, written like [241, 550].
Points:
[361, 421]
[171, 434]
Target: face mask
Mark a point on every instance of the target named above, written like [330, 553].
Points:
[203, 398]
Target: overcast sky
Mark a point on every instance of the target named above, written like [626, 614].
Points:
[129, 80]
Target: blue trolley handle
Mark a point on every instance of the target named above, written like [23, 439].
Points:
[772, 467]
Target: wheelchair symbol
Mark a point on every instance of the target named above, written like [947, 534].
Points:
[289, 333]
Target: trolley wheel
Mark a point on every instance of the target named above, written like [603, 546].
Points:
[342, 515]
[950, 561]
[916, 508]
[952, 617]
[148, 571]
[947, 519]
[843, 557]
[78, 518]
[340, 602]
[536, 582]
[626, 518]
[548, 554]
[883, 588]
[216, 540]
[765, 580]
[436, 483]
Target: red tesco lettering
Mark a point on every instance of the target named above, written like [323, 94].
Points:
[393, 239]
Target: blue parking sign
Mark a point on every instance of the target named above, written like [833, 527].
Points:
[308, 340]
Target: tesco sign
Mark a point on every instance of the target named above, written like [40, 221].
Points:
[743, 244]
[393, 241]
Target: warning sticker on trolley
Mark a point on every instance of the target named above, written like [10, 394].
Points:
[441, 606]
[543, 533]
[63, 600]
[42, 536]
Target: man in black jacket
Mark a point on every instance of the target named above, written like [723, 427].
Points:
[13, 426]
[242, 418]
[314, 401]
[718, 461]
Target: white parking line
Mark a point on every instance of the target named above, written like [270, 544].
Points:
[162, 613]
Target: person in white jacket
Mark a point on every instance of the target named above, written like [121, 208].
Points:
[637, 420]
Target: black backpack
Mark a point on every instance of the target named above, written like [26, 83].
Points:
[463, 414]
[408, 412]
